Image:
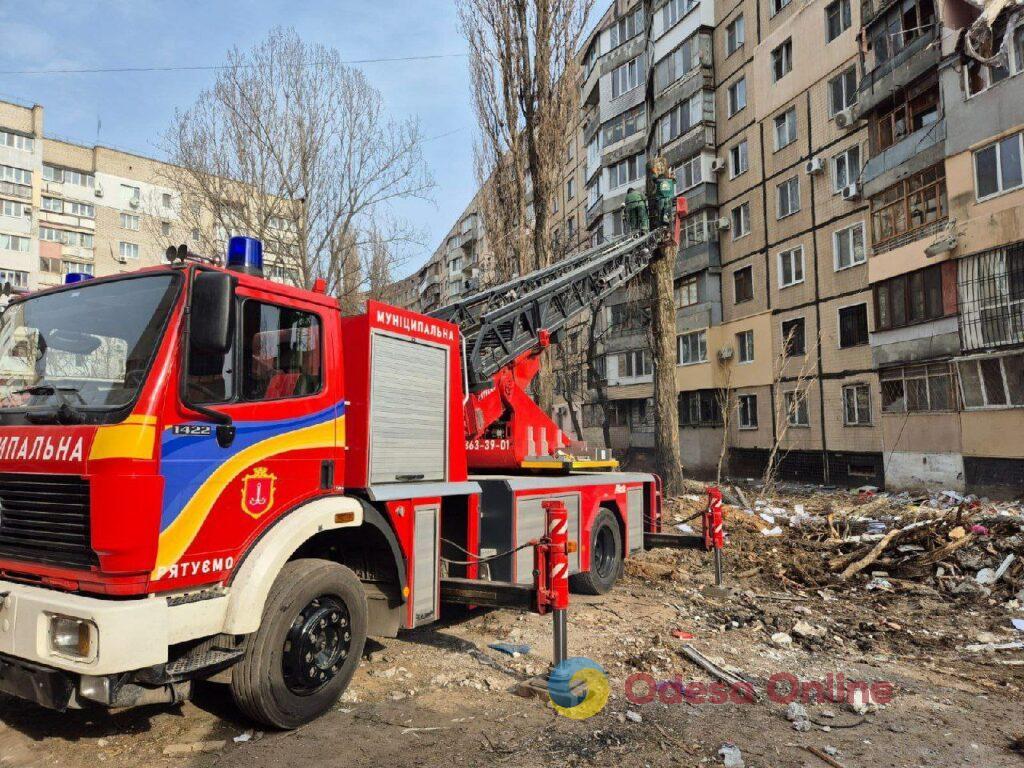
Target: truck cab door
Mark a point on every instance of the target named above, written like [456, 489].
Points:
[283, 393]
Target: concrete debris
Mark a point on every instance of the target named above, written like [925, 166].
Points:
[196, 747]
[731, 756]
[807, 630]
[634, 717]
[782, 640]
[795, 712]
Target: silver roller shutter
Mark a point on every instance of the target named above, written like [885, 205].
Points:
[408, 411]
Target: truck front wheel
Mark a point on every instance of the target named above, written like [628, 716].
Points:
[301, 659]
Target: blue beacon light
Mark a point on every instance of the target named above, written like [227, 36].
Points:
[76, 277]
[245, 254]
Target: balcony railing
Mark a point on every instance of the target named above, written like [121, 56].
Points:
[913, 48]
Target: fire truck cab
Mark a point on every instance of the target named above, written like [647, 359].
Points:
[204, 472]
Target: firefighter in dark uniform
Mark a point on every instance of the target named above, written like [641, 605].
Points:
[637, 219]
[662, 189]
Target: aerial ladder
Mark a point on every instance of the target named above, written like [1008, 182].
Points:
[506, 329]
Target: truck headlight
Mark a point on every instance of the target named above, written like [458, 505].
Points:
[75, 638]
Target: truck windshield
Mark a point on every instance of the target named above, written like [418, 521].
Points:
[81, 351]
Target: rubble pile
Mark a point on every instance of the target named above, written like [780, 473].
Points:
[814, 537]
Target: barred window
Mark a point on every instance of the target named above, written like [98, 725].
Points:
[918, 388]
[992, 382]
[990, 294]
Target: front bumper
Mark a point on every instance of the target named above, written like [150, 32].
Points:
[130, 634]
[47, 687]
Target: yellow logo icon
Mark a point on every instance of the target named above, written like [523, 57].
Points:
[258, 492]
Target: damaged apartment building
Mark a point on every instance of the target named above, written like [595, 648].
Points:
[850, 281]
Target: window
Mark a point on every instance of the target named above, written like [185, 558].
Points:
[626, 27]
[77, 266]
[52, 204]
[128, 250]
[738, 159]
[675, 10]
[853, 326]
[842, 91]
[15, 277]
[793, 337]
[84, 210]
[992, 382]
[695, 230]
[165, 228]
[195, 235]
[681, 118]
[50, 264]
[845, 169]
[634, 363]
[570, 189]
[743, 284]
[746, 405]
[570, 227]
[734, 35]
[627, 76]
[16, 210]
[745, 346]
[785, 128]
[848, 247]
[618, 128]
[15, 175]
[911, 298]
[737, 96]
[625, 317]
[915, 108]
[796, 409]
[838, 19]
[991, 297]
[689, 173]
[700, 408]
[692, 347]
[17, 141]
[978, 77]
[787, 195]
[909, 205]
[14, 243]
[165, 199]
[68, 176]
[130, 194]
[998, 168]
[856, 405]
[626, 171]
[66, 237]
[740, 221]
[777, 5]
[782, 60]
[677, 64]
[791, 267]
[130, 221]
[686, 293]
[918, 388]
[899, 26]
[280, 352]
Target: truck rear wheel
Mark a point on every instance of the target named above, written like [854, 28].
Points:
[605, 557]
[301, 659]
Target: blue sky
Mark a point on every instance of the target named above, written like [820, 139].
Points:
[135, 108]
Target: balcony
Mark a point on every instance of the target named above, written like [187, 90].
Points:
[10, 189]
[698, 257]
[428, 282]
[898, 72]
[919, 150]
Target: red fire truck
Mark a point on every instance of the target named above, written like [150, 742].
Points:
[203, 472]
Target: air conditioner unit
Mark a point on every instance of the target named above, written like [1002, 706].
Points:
[941, 246]
[98, 191]
[845, 118]
[717, 165]
[851, 192]
[725, 353]
[723, 223]
[134, 202]
[814, 165]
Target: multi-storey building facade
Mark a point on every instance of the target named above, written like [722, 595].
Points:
[849, 281]
[95, 210]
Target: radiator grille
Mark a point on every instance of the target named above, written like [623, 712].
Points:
[45, 519]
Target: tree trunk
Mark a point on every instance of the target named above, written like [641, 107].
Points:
[666, 419]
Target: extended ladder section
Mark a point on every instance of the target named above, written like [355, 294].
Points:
[502, 323]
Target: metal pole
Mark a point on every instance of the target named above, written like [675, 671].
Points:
[561, 636]
[718, 567]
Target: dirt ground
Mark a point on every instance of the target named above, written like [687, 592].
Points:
[439, 695]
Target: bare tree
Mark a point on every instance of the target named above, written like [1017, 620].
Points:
[727, 404]
[293, 147]
[524, 75]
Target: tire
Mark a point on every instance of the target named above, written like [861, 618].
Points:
[606, 564]
[301, 659]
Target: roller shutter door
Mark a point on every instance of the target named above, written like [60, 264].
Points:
[408, 412]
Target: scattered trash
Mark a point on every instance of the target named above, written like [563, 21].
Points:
[797, 715]
[634, 717]
[988, 647]
[731, 756]
[717, 671]
[685, 528]
[823, 756]
[1018, 624]
[776, 531]
[682, 635]
[243, 737]
[512, 649]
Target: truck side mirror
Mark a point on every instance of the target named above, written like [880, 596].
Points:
[212, 324]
